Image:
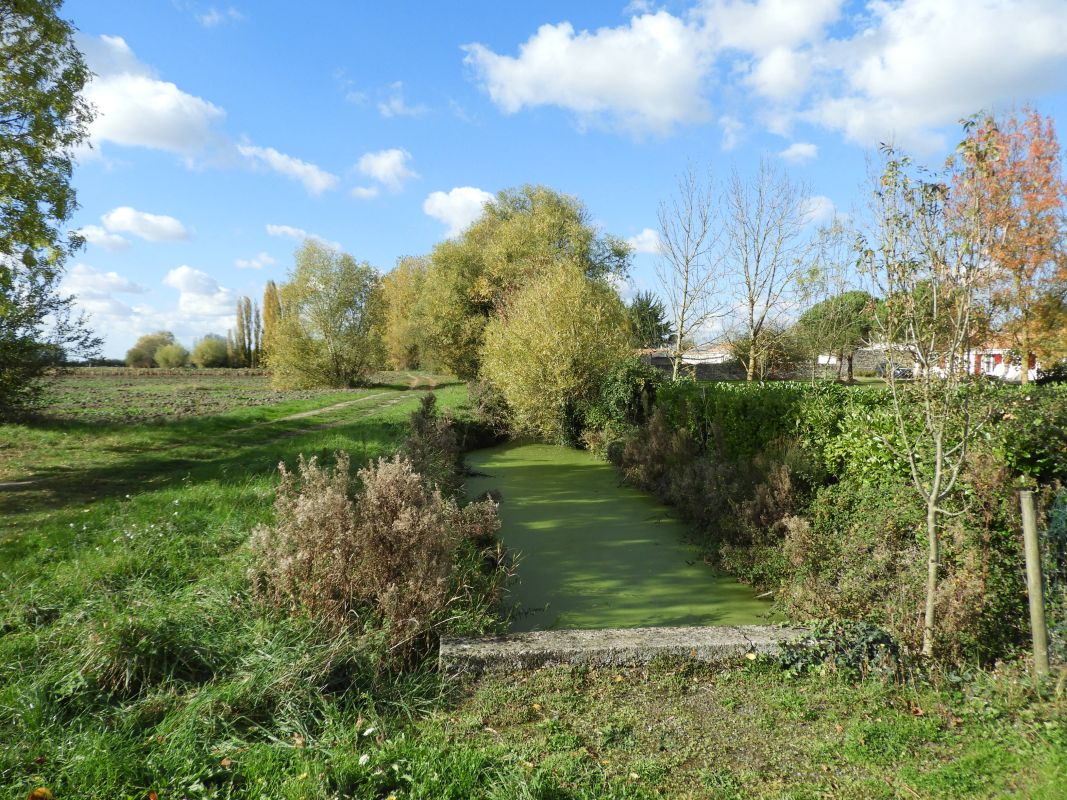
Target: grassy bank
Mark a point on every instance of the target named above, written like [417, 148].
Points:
[132, 661]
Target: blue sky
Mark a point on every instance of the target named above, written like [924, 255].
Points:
[226, 132]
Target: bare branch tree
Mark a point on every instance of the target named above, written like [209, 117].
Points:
[766, 251]
[928, 259]
[690, 267]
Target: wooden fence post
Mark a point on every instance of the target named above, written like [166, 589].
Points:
[1034, 584]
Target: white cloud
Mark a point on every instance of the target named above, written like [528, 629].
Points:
[299, 233]
[782, 75]
[397, 106]
[214, 17]
[646, 76]
[923, 64]
[98, 237]
[364, 192]
[153, 227]
[819, 210]
[647, 241]
[315, 180]
[895, 70]
[94, 291]
[800, 152]
[764, 25]
[389, 167]
[199, 295]
[457, 208]
[82, 279]
[258, 261]
[135, 108]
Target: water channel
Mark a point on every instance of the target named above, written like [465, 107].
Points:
[594, 554]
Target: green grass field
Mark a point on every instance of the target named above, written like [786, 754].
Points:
[133, 662]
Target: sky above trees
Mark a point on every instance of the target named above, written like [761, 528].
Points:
[227, 133]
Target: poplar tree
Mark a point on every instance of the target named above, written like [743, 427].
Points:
[272, 310]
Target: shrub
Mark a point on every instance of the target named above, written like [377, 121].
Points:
[381, 556]
[143, 352]
[210, 352]
[309, 561]
[432, 448]
[549, 354]
[847, 646]
[172, 356]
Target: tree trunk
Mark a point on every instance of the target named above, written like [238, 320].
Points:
[1026, 357]
[850, 377]
[933, 547]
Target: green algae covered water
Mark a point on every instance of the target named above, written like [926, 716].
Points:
[593, 554]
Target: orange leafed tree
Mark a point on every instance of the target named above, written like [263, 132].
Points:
[1020, 193]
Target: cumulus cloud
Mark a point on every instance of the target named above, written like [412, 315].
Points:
[364, 192]
[766, 25]
[258, 261]
[199, 295]
[922, 64]
[315, 180]
[388, 167]
[290, 232]
[799, 152]
[647, 241]
[899, 70]
[135, 108]
[457, 208]
[396, 106]
[646, 76]
[94, 291]
[152, 227]
[98, 237]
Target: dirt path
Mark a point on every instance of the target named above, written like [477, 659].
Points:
[312, 413]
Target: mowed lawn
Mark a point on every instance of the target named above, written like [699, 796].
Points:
[132, 661]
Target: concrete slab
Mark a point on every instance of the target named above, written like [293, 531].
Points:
[612, 647]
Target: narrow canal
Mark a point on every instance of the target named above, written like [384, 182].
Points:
[593, 554]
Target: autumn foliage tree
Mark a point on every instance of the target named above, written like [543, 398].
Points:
[1021, 191]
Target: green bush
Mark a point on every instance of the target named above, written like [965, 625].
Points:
[801, 489]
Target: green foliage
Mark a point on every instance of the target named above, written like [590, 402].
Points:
[402, 289]
[838, 325]
[522, 235]
[848, 647]
[800, 488]
[648, 321]
[42, 119]
[172, 356]
[143, 352]
[562, 336]
[432, 447]
[627, 395]
[210, 352]
[329, 331]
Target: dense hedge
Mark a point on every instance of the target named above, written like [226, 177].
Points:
[797, 488]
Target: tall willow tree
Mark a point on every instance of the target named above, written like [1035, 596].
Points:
[550, 353]
[328, 333]
[522, 235]
[401, 290]
[42, 120]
